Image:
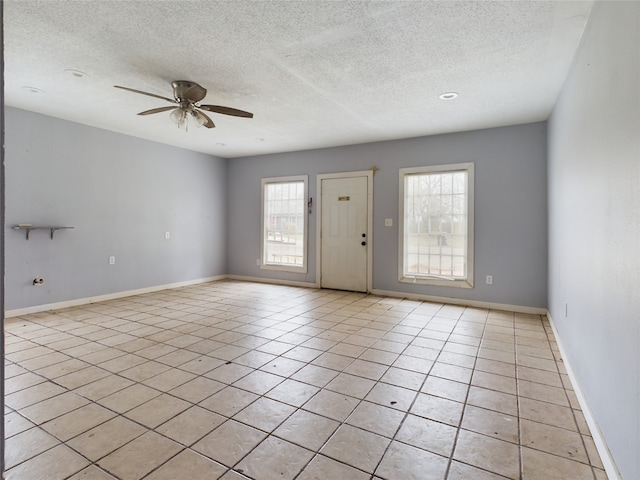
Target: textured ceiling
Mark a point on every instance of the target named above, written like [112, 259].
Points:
[314, 73]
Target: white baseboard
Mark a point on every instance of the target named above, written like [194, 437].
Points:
[291, 283]
[102, 298]
[274, 281]
[601, 445]
[409, 296]
[461, 301]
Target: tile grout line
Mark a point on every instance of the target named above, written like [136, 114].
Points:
[464, 408]
[516, 357]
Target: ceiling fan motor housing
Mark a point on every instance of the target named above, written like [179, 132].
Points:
[185, 91]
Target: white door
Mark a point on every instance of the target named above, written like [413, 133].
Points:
[344, 234]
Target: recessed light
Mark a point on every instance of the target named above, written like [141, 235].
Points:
[32, 89]
[448, 96]
[77, 73]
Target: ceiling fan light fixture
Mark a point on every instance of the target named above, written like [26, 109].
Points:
[198, 118]
[179, 117]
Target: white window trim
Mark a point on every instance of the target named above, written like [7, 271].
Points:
[284, 268]
[437, 280]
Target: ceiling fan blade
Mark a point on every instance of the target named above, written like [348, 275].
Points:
[146, 93]
[226, 111]
[204, 120]
[156, 110]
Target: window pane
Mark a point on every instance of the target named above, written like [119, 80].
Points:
[284, 235]
[435, 224]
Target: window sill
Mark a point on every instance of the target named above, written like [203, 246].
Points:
[283, 268]
[438, 282]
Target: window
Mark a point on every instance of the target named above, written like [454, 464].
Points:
[436, 225]
[284, 223]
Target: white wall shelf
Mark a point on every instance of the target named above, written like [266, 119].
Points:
[28, 228]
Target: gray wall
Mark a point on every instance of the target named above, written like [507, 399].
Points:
[121, 194]
[594, 225]
[510, 206]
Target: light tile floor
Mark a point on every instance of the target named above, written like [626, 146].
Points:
[236, 380]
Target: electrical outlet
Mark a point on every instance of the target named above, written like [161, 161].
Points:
[258, 261]
[388, 222]
[112, 260]
[167, 235]
[489, 280]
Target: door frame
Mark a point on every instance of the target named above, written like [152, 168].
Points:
[326, 176]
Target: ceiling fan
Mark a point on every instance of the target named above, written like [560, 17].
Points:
[187, 96]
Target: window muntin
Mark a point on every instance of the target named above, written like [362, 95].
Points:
[436, 231]
[284, 223]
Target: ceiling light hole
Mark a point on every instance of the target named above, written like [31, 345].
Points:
[77, 73]
[32, 89]
[448, 96]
